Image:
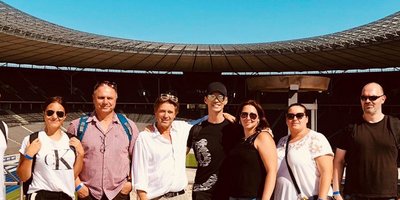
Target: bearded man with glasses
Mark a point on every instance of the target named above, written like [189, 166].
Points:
[108, 148]
[371, 149]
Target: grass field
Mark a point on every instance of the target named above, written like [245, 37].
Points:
[14, 195]
[191, 161]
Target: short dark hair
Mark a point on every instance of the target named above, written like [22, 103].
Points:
[297, 104]
[260, 111]
[57, 99]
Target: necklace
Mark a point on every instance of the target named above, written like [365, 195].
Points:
[245, 138]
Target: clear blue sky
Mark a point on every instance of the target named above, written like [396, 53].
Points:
[209, 21]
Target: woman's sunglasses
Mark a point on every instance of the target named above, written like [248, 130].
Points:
[297, 115]
[60, 114]
[244, 115]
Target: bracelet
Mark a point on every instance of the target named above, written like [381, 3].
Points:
[336, 193]
[79, 187]
[28, 157]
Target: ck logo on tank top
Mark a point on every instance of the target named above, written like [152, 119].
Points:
[60, 159]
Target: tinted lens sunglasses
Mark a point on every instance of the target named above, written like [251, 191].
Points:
[60, 114]
[212, 97]
[244, 115]
[108, 83]
[297, 115]
[371, 98]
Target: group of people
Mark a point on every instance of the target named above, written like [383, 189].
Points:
[103, 156]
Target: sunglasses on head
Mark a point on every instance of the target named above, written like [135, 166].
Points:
[108, 83]
[166, 97]
[212, 97]
[60, 114]
[371, 98]
[297, 115]
[252, 116]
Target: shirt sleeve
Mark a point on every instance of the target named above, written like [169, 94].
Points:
[23, 145]
[190, 138]
[135, 133]
[139, 165]
[72, 129]
[344, 137]
[320, 146]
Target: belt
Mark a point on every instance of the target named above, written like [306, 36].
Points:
[173, 194]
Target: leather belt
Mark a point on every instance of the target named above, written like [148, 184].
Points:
[173, 194]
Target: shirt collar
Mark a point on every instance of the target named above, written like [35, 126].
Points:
[157, 133]
[94, 118]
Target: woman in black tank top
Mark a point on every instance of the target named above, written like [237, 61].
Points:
[253, 161]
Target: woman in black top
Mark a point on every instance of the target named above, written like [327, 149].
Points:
[253, 161]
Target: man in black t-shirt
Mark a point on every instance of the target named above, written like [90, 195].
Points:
[370, 152]
[211, 141]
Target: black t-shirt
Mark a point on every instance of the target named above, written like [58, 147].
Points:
[371, 157]
[211, 145]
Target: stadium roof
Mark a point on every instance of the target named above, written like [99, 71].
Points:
[25, 39]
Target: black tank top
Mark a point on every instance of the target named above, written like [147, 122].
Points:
[247, 172]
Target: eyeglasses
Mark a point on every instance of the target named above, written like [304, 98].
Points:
[108, 83]
[244, 115]
[371, 98]
[166, 97]
[212, 97]
[60, 114]
[297, 115]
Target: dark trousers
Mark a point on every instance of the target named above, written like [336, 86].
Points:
[119, 196]
[202, 196]
[48, 195]
[352, 197]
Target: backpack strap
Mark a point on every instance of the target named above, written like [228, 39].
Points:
[82, 126]
[26, 184]
[3, 130]
[125, 124]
